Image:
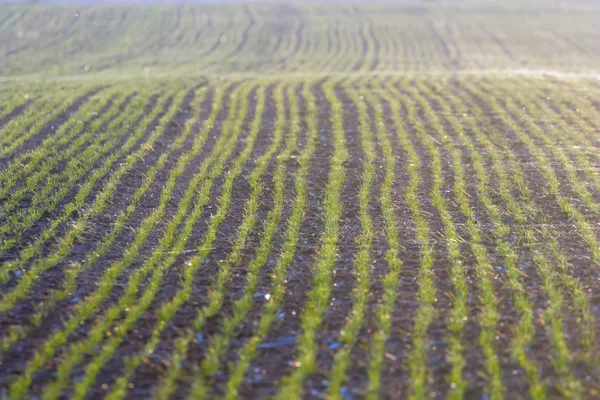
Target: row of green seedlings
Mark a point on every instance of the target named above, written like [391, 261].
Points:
[15, 15]
[550, 137]
[340, 364]
[581, 140]
[238, 34]
[257, 35]
[8, 91]
[58, 184]
[483, 272]
[26, 255]
[511, 109]
[349, 45]
[278, 287]
[46, 196]
[38, 110]
[304, 40]
[185, 37]
[162, 256]
[27, 162]
[579, 100]
[459, 311]
[18, 170]
[242, 36]
[101, 201]
[85, 309]
[561, 357]
[430, 52]
[583, 116]
[579, 119]
[364, 259]
[426, 292]
[17, 99]
[26, 125]
[86, 113]
[336, 62]
[225, 38]
[318, 297]
[215, 38]
[168, 310]
[173, 28]
[353, 53]
[559, 131]
[222, 41]
[318, 42]
[31, 274]
[336, 34]
[292, 43]
[216, 293]
[295, 45]
[524, 330]
[392, 255]
[418, 358]
[417, 55]
[382, 47]
[57, 41]
[392, 48]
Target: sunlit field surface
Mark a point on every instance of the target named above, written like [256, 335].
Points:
[300, 200]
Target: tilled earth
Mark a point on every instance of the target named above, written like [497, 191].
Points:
[214, 244]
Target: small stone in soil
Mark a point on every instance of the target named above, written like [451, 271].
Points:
[281, 341]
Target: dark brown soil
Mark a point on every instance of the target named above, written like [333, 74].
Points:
[14, 113]
[276, 362]
[271, 365]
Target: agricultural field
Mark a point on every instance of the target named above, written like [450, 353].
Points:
[300, 200]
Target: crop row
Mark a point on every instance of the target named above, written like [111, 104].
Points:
[489, 202]
[299, 38]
